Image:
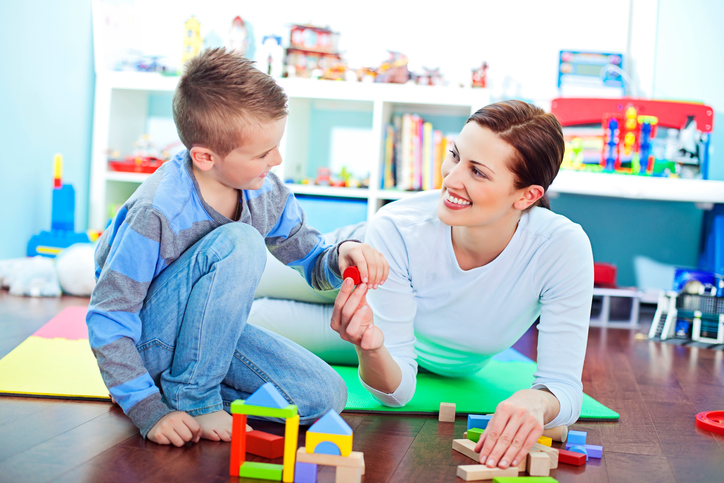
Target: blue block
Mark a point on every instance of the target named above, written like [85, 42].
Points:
[577, 448]
[577, 437]
[267, 396]
[479, 420]
[331, 423]
[594, 451]
[305, 473]
[327, 447]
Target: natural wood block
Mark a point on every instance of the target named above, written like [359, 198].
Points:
[559, 433]
[523, 465]
[346, 474]
[354, 460]
[447, 413]
[539, 464]
[551, 452]
[466, 447]
[482, 472]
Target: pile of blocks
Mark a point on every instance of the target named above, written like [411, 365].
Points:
[540, 460]
[328, 443]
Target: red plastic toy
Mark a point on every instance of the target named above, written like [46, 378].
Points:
[353, 273]
[711, 421]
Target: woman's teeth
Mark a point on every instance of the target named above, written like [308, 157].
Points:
[457, 201]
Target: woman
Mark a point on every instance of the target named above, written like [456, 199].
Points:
[471, 268]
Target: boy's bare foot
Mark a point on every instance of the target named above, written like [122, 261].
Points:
[215, 426]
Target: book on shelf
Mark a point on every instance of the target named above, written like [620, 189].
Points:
[413, 154]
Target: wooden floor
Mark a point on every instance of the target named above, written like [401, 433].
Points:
[657, 388]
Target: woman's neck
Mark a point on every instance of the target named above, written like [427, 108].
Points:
[476, 246]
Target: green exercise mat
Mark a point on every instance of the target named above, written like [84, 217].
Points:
[479, 394]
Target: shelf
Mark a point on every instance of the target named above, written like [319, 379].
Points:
[638, 187]
[313, 190]
[126, 177]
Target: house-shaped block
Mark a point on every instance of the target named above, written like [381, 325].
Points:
[329, 435]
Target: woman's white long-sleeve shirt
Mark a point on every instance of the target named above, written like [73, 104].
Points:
[452, 321]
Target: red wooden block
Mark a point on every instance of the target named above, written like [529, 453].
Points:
[571, 457]
[238, 443]
[264, 444]
[353, 273]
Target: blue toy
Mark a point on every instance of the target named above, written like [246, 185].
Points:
[576, 438]
[479, 420]
[62, 227]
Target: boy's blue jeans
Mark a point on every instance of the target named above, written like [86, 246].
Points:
[200, 351]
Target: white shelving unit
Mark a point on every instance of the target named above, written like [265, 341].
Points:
[121, 110]
[122, 104]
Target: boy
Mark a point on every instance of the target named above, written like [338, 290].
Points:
[178, 267]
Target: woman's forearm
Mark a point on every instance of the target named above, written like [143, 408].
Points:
[379, 370]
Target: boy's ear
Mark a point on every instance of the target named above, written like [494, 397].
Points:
[203, 158]
[529, 195]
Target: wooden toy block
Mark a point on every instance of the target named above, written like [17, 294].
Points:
[474, 434]
[355, 459]
[264, 444]
[594, 451]
[353, 273]
[525, 479]
[551, 452]
[305, 473]
[261, 471]
[539, 464]
[545, 441]
[466, 447]
[576, 437]
[478, 420]
[339, 442]
[447, 413]
[523, 465]
[559, 433]
[239, 407]
[291, 434]
[331, 423]
[345, 474]
[238, 443]
[482, 472]
[267, 396]
[571, 458]
[578, 448]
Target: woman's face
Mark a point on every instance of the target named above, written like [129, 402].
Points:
[477, 187]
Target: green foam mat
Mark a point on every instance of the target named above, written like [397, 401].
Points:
[479, 394]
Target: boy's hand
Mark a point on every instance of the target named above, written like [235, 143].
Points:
[176, 428]
[372, 266]
[352, 318]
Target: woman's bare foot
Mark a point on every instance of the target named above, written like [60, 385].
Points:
[215, 426]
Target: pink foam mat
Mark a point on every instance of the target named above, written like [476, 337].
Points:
[68, 324]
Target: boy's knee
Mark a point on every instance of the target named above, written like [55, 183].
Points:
[240, 241]
[330, 393]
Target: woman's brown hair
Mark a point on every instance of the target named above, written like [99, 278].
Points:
[536, 136]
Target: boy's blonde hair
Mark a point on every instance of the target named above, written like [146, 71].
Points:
[220, 95]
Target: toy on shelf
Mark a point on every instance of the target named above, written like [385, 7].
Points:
[192, 39]
[62, 225]
[312, 50]
[239, 39]
[394, 70]
[480, 75]
[682, 152]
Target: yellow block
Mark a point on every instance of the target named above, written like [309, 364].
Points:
[343, 442]
[291, 433]
[545, 441]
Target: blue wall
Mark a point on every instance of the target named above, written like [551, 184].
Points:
[46, 107]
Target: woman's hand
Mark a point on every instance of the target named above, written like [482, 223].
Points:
[372, 266]
[515, 427]
[352, 318]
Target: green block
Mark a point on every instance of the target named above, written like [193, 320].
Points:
[261, 471]
[524, 479]
[474, 434]
[238, 407]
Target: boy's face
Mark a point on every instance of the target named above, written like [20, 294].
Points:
[246, 166]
